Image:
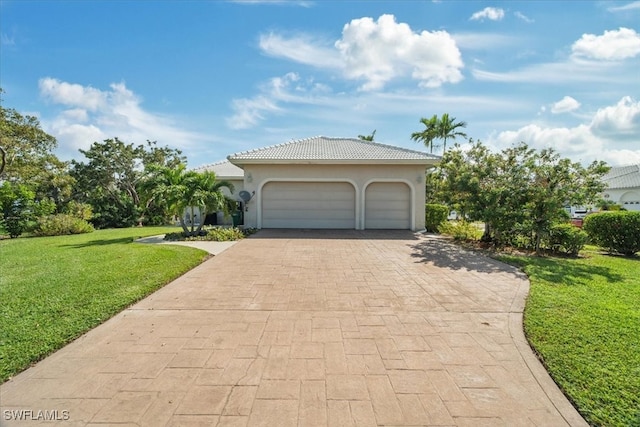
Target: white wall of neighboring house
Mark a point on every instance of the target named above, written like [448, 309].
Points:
[628, 198]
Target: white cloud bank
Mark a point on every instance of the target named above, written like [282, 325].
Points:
[611, 135]
[376, 52]
[91, 114]
[613, 45]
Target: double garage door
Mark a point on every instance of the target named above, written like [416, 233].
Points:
[333, 205]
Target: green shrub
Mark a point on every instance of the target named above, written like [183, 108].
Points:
[615, 231]
[460, 230]
[79, 210]
[566, 238]
[61, 224]
[217, 234]
[434, 215]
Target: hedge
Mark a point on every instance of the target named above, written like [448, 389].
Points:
[615, 231]
[434, 215]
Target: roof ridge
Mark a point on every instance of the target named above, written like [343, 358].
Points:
[331, 138]
[282, 144]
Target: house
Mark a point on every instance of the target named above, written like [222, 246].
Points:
[335, 183]
[623, 186]
[225, 171]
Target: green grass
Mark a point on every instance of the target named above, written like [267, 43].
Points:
[53, 289]
[583, 319]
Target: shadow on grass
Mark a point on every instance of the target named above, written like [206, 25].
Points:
[563, 271]
[100, 242]
[439, 252]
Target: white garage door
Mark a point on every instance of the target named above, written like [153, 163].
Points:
[630, 201]
[387, 206]
[308, 205]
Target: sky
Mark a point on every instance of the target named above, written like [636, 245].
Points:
[213, 78]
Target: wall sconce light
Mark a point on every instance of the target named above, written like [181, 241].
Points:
[249, 177]
[419, 179]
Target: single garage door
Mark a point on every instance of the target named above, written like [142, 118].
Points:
[308, 205]
[387, 206]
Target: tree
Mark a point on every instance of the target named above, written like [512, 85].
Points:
[444, 128]
[182, 190]
[34, 181]
[429, 133]
[3, 158]
[110, 181]
[368, 137]
[518, 193]
[447, 128]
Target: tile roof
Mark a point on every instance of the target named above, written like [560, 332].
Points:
[223, 170]
[329, 150]
[623, 177]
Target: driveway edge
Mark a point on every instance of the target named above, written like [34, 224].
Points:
[516, 328]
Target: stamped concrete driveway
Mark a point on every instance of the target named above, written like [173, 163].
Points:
[297, 328]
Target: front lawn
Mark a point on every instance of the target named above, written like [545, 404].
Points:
[583, 319]
[53, 289]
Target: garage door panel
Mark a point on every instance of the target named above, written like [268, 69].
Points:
[388, 206]
[308, 205]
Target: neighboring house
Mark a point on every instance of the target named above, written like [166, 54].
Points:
[623, 186]
[339, 183]
[225, 171]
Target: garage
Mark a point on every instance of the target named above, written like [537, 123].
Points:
[308, 205]
[387, 206]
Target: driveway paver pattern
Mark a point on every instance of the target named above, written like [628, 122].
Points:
[309, 328]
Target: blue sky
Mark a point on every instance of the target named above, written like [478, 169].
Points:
[217, 77]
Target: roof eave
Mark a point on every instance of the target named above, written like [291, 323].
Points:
[425, 162]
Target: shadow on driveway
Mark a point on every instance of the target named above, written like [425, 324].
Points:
[336, 234]
[437, 251]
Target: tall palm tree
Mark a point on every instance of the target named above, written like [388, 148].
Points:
[447, 128]
[429, 133]
[181, 189]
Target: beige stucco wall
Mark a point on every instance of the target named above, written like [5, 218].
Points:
[360, 176]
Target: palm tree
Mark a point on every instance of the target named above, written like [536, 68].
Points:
[181, 189]
[368, 137]
[429, 133]
[447, 128]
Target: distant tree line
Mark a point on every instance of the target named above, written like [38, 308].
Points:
[116, 185]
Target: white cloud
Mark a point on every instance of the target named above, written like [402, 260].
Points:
[620, 121]
[610, 135]
[634, 5]
[571, 71]
[380, 51]
[612, 45]
[491, 13]
[377, 52]
[523, 17]
[301, 48]
[73, 95]
[248, 112]
[565, 105]
[7, 40]
[94, 115]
